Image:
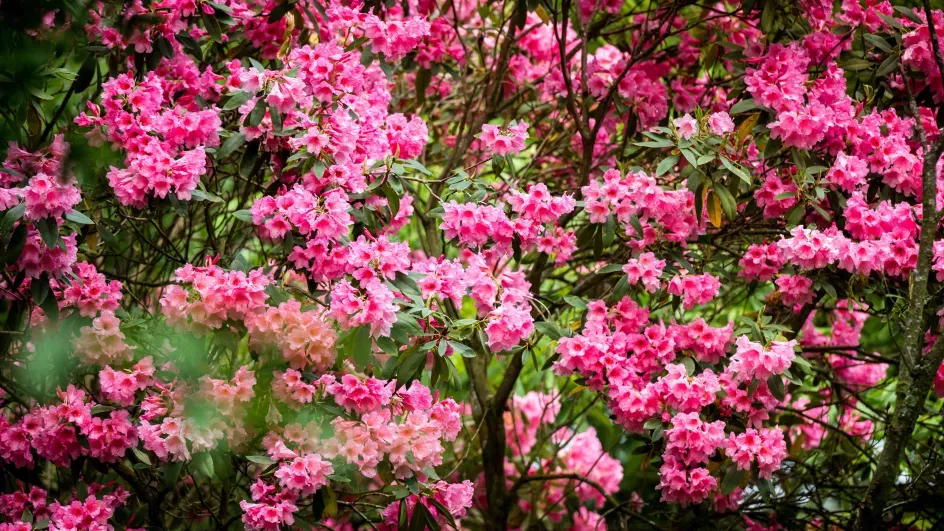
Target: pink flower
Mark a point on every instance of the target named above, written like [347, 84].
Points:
[686, 126]
[720, 123]
[505, 141]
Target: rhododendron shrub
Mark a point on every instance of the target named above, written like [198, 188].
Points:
[471, 264]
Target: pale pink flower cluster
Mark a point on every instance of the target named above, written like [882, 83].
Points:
[687, 393]
[694, 289]
[507, 325]
[795, 290]
[686, 127]
[761, 262]
[690, 442]
[766, 447]
[752, 360]
[772, 196]
[213, 297]
[305, 474]
[120, 386]
[90, 291]
[164, 142]
[371, 305]
[720, 123]
[406, 138]
[360, 395]
[409, 436]
[395, 38]
[303, 338]
[646, 268]
[50, 196]
[525, 417]
[583, 455]
[37, 258]
[103, 343]
[707, 343]
[671, 212]
[325, 215]
[504, 140]
[291, 388]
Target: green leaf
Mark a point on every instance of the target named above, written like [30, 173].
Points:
[78, 217]
[143, 457]
[254, 118]
[736, 170]
[743, 106]
[462, 349]
[728, 204]
[775, 384]
[666, 165]
[204, 464]
[732, 479]
[878, 41]
[11, 216]
[39, 290]
[362, 346]
[260, 460]
[576, 302]
[652, 424]
[234, 142]
[212, 25]
[549, 330]
[17, 243]
[200, 195]
[49, 230]
[243, 215]
[689, 365]
[172, 473]
[393, 199]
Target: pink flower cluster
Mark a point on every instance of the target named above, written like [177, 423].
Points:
[120, 386]
[90, 291]
[214, 296]
[304, 475]
[395, 38]
[507, 325]
[303, 338]
[371, 305]
[48, 196]
[312, 215]
[268, 511]
[761, 262]
[766, 447]
[707, 343]
[647, 268]
[165, 143]
[535, 223]
[795, 290]
[694, 289]
[103, 343]
[360, 395]
[687, 393]
[37, 258]
[409, 435]
[638, 194]
[504, 140]
[752, 360]
[689, 443]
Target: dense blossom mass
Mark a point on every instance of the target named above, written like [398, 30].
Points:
[475, 265]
